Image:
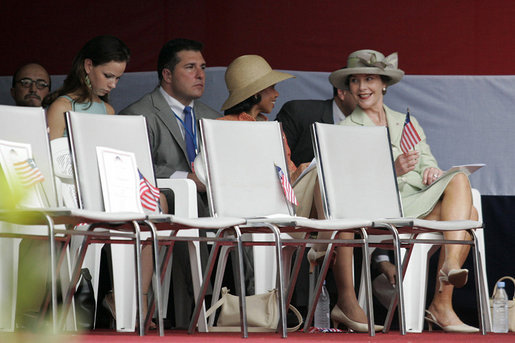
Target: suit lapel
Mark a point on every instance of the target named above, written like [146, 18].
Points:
[359, 117]
[395, 125]
[395, 122]
[164, 112]
[327, 115]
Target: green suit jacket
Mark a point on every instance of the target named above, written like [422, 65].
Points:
[410, 182]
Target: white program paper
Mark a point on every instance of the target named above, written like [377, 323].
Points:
[119, 179]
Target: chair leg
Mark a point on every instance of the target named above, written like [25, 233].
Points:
[241, 278]
[295, 273]
[156, 283]
[207, 275]
[368, 284]
[74, 278]
[318, 287]
[139, 292]
[217, 286]
[53, 276]
[399, 280]
[479, 284]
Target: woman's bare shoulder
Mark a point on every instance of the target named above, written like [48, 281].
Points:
[61, 104]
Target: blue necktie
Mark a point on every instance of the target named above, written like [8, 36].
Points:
[188, 134]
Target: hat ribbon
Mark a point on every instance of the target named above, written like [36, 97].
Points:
[390, 61]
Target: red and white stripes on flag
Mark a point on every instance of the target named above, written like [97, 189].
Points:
[149, 194]
[28, 172]
[287, 188]
[410, 136]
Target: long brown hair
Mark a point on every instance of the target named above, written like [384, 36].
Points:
[100, 50]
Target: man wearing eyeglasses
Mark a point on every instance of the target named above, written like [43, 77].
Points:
[31, 83]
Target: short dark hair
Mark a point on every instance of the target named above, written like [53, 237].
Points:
[168, 55]
[244, 106]
[15, 75]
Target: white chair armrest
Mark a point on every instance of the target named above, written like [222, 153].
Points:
[476, 200]
[185, 193]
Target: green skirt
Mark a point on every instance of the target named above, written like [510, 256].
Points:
[422, 202]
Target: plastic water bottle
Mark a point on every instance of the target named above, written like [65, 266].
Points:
[322, 319]
[500, 309]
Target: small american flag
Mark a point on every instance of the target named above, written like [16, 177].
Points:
[28, 172]
[287, 188]
[409, 136]
[149, 194]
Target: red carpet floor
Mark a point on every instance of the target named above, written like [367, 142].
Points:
[101, 336]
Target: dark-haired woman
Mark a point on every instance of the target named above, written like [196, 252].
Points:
[251, 84]
[95, 72]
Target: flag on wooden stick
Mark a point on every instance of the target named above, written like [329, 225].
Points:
[286, 186]
[28, 172]
[410, 136]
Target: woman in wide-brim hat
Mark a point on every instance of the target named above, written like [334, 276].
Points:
[367, 76]
[251, 84]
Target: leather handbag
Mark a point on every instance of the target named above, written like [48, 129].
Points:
[85, 301]
[262, 312]
[511, 304]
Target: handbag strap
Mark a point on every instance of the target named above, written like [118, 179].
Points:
[219, 303]
[505, 278]
[299, 318]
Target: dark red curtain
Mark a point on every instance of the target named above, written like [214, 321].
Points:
[432, 37]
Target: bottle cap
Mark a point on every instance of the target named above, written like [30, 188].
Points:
[500, 284]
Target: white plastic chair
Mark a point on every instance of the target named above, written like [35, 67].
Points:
[129, 133]
[22, 125]
[416, 276]
[238, 159]
[28, 125]
[357, 162]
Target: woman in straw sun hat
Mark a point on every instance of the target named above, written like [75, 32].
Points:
[367, 76]
[251, 84]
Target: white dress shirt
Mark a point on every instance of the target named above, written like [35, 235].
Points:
[178, 109]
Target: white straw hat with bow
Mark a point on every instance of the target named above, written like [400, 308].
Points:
[367, 62]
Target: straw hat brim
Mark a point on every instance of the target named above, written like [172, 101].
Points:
[339, 77]
[238, 95]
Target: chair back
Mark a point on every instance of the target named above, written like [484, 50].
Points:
[239, 159]
[63, 170]
[28, 125]
[356, 172]
[88, 131]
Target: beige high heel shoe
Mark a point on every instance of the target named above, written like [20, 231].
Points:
[461, 328]
[456, 277]
[338, 317]
[314, 256]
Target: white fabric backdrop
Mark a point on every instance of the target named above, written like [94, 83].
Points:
[467, 119]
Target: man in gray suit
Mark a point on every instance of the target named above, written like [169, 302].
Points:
[181, 82]
[172, 112]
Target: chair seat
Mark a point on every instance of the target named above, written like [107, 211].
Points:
[197, 223]
[432, 225]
